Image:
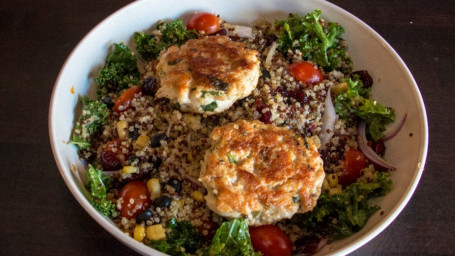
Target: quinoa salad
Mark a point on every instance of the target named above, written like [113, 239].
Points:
[211, 138]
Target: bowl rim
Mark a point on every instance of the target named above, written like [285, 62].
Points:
[106, 223]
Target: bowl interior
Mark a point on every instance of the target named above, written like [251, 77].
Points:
[394, 86]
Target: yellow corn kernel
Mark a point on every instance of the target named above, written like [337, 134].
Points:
[198, 196]
[139, 233]
[325, 185]
[155, 232]
[122, 129]
[189, 157]
[141, 142]
[339, 88]
[335, 190]
[129, 169]
[181, 203]
[154, 187]
[332, 179]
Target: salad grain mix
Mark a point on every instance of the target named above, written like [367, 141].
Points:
[288, 87]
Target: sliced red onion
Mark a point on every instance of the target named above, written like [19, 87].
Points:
[328, 120]
[238, 30]
[396, 131]
[369, 152]
[268, 59]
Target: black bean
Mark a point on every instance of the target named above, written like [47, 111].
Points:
[162, 202]
[132, 158]
[143, 216]
[365, 77]
[176, 184]
[150, 86]
[155, 140]
[134, 134]
[156, 161]
[108, 101]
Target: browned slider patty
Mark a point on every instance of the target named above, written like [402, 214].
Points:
[262, 172]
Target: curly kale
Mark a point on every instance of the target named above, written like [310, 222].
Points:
[341, 215]
[173, 33]
[354, 100]
[93, 117]
[98, 185]
[318, 41]
[120, 70]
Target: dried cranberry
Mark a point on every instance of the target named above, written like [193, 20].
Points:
[150, 86]
[299, 96]
[365, 77]
[307, 245]
[379, 147]
[109, 161]
[265, 116]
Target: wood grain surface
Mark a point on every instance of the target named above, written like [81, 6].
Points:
[39, 216]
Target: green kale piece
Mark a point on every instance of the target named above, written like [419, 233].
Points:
[355, 101]
[93, 117]
[341, 215]
[98, 185]
[173, 33]
[120, 70]
[231, 239]
[210, 107]
[182, 235]
[318, 41]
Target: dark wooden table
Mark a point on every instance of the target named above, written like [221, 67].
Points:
[39, 216]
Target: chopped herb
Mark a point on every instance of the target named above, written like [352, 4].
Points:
[295, 199]
[305, 140]
[231, 158]
[218, 84]
[210, 107]
[176, 106]
[214, 93]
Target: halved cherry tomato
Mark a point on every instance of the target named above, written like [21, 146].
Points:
[204, 22]
[306, 72]
[124, 101]
[134, 198]
[270, 240]
[354, 162]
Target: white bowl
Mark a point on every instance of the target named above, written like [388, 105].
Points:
[394, 86]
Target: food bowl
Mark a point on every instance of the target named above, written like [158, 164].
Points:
[394, 86]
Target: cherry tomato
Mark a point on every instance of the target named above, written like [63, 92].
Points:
[270, 240]
[354, 162]
[306, 72]
[204, 22]
[124, 101]
[134, 198]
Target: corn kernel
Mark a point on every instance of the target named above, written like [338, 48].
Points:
[181, 203]
[189, 157]
[139, 233]
[325, 185]
[155, 232]
[129, 169]
[332, 179]
[339, 88]
[335, 190]
[198, 196]
[154, 187]
[122, 129]
[141, 142]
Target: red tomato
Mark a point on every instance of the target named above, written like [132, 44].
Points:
[270, 240]
[124, 101]
[204, 22]
[306, 72]
[354, 162]
[134, 198]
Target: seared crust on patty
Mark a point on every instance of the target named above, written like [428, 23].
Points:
[208, 75]
[263, 172]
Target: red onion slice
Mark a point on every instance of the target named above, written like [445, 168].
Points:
[396, 131]
[238, 30]
[368, 152]
[328, 120]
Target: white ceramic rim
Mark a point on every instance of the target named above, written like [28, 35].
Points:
[143, 249]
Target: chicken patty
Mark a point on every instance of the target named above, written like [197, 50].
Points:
[262, 172]
[207, 75]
